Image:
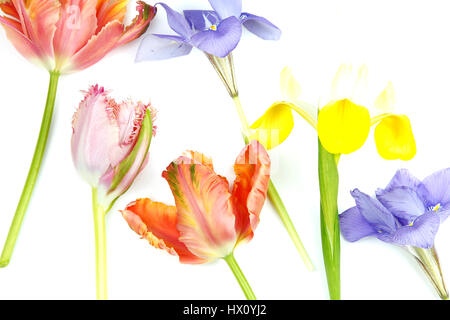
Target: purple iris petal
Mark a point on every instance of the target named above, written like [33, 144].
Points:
[436, 187]
[177, 22]
[227, 8]
[402, 202]
[443, 212]
[222, 41]
[354, 226]
[200, 20]
[260, 26]
[374, 212]
[403, 178]
[420, 234]
[160, 47]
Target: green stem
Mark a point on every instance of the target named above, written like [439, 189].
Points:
[329, 220]
[245, 286]
[287, 222]
[100, 247]
[275, 197]
[32, 173]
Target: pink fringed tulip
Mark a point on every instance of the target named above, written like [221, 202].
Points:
[209, 220]
[70, 35]
[64, 36]
[110, 144]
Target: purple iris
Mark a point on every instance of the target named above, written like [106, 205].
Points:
[407, 213]
[215, 32]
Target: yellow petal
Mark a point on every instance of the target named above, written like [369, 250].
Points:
[274, 126]
[394, 138]
[343, 126]
[290, 88]
[386, 100]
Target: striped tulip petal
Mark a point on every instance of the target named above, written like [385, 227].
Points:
[157, 223]
[249, 193]
[205, 212]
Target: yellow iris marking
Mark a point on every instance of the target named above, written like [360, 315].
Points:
[213, 27]
[436, 208]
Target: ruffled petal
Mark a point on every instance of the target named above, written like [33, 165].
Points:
[205, 214]
[157, 223]
[374, 212]
[161, 47]
[420, 234]
[394, 138]
[227, 8]
[343, 126]
[249, 193]
[108, 11]
[140, 23]
[402, 202]
[354, 226]
[219, 42]
[436, 188]
[96, 48]
[260, 26]
[76, 25]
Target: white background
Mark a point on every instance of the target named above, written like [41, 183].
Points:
[406, 42]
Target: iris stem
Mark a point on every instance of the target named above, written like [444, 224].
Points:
[240, 277]
[275, 197]
[32, 173]
[100, 247]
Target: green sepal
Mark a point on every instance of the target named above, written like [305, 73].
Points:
[122, 169]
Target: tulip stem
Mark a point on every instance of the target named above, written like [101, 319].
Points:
[32, 173]
[100, 247]
[275, 197]
[232, 263]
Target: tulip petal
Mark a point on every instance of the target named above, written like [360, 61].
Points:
[205, 215]
[219, 42]
[108, 11]
[343, 126]
[140, 23]
[160, 47]
[157, 223]
[96, 48]
[95, 136]
[76, 25]
[274, 126]
[394, 138]
[260, 26]
[249, 193]
[22, 44]
[9, 9]
[42, 27]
